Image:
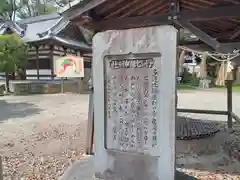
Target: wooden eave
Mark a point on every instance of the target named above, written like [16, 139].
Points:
[53, 41]
[216, 19]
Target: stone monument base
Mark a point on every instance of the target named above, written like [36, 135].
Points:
[83, 170]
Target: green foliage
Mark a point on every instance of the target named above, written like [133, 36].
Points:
[5, 9]
[31, 8]
[190, 78]
[212, 83]
[63, 3]
[48, 10]
[10, 9]
[13, 53]
[186, 76]
[194, 80]
[185, 87]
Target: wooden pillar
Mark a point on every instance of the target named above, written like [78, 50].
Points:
[229, 103]
[92, 139]
[1, 168]
[65, 51]
[90, 126]
[52, 62]
[37, 61]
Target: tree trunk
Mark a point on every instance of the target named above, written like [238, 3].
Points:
[7, 82]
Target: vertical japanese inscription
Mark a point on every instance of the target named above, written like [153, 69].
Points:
[131, 90]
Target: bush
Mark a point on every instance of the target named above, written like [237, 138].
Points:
[2, 89]
[194, 80]
[212, 83]
[186, 77]
[190, 78]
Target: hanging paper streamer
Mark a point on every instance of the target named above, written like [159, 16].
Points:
[220, 81]
[229, 67]
[224, 70]
[181, 62]
[203, 66]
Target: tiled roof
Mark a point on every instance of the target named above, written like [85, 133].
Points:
[35, 28]
[41, 28]
[39, 18]
[2, 28]
[5, 25]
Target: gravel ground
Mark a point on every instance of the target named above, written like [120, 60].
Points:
[216, 166]
[41, 135]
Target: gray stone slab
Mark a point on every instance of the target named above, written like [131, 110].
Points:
[151, 135]
[80, 170]
[84, 170]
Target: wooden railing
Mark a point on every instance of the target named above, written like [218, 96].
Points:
[231, 115]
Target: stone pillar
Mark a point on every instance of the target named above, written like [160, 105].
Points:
[134, 74]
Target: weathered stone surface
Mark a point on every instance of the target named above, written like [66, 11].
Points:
[132, 87]
[82, 170]
[130, 53]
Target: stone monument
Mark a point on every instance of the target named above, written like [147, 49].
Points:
[134, 74]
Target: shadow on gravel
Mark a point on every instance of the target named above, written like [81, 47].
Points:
[11, 110]
[216, 154]
[182, 176]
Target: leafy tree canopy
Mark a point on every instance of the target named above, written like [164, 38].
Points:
[13, 53]
[5, 9]
[11, 9]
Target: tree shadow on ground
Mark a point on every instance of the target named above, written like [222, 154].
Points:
[210, 155]
[12, 110]
[182, 176]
